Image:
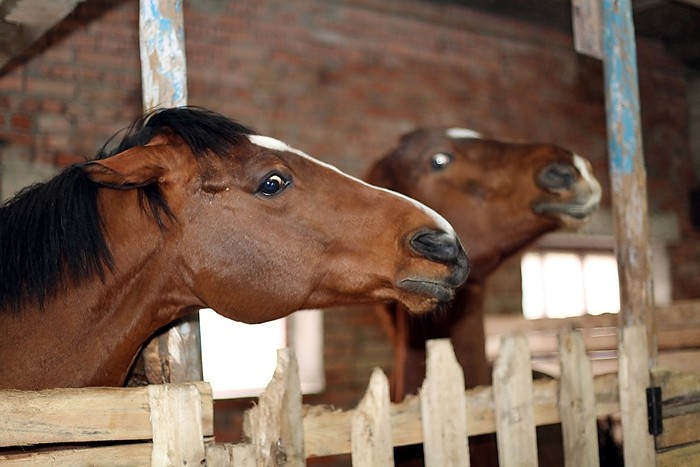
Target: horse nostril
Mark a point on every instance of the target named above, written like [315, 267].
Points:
[557, 176]
[437, 245]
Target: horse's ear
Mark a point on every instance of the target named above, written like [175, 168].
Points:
[135, 167]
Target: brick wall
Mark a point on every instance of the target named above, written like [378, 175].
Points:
[342, 80]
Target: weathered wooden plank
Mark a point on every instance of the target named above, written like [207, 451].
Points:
[22, 22]
[275, 425]
[677, 328]
[634, 378]
[371, 427]
[679, 430]
[229, 454]
[677, 384]
[327, 432]
[443, 408]
[577, 403]
[84, 415]
[176, 421]
[685, 456]
[126, 455]
[588, 28]
[513, 394]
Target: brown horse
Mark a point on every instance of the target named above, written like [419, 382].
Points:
[193, 210]
[500, 197]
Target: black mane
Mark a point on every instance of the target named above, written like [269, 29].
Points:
[52, 231]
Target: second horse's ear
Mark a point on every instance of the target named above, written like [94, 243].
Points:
[135, 167]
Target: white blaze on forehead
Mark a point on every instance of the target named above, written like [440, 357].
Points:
[269, 143]
[277, 145]
[458, 133]
[596, 191]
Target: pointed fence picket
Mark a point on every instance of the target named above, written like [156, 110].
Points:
[577, 403]
[512, 390]
[371, 428]
[443, 408]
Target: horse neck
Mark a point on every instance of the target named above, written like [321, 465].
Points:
[89, 334]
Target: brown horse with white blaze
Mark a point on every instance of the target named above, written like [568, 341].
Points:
[193, 210]
[500, 196]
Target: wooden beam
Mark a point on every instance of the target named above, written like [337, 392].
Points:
[695, 3]
[22, 22]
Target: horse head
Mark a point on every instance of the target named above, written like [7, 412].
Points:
[499, 195]
[296, 232]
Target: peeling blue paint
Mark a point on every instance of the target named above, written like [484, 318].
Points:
[621, 87]
[163, 38]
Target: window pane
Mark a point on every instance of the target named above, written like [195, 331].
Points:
[602, 284]
[564, 285]
[533, 286]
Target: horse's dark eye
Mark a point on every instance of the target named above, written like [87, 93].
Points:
[441, 160]
[273, 185]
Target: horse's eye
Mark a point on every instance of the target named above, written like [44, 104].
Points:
[441, 160]
[272, 185]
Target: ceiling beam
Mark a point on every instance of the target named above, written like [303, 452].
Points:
[22, 22]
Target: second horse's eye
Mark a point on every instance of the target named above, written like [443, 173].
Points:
[273, 185]
[441, 160]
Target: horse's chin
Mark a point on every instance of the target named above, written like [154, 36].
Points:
[424, 296]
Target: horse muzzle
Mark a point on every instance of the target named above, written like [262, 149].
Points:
[577, 192]
[444, 248]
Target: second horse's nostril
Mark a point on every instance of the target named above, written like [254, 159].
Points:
[436, 245]
[557, 176]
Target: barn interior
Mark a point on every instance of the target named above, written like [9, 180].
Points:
[343, 80]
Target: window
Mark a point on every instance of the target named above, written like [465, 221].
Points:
[567, 276]
[560, 284]
[224, 341]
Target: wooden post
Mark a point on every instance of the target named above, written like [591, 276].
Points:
[577, 403]
[275, 426]
[628, 176]
[443, 408]
[162, 44]
[513, 396]
[174, 355]
[176, 420]
[634, 378]
[371, 426]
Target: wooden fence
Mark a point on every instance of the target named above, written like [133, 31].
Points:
[172, 424]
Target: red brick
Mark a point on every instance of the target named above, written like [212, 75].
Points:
[51, 88]
[21, 122]
[65, 159]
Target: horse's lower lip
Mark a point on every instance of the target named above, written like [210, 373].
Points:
[437, 290]
[572, 210]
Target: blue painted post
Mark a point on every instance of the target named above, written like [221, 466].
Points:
[629, 200]
[627, 172]
[162, 42]
[175, 355]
